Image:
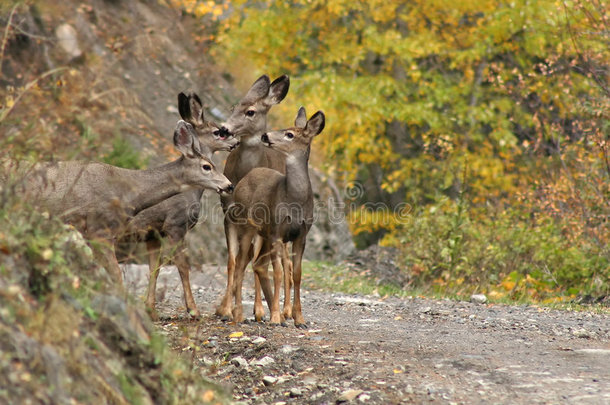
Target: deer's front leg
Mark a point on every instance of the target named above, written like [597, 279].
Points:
[288, 270]
[298, 247]
[276, 260]
[153, 247]
[241, 263]
[184, 268]
[261, 277]
[224, 309]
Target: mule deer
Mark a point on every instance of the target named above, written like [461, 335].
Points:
[100, 199]
[174, 217]
[249, 121]
[278, 208]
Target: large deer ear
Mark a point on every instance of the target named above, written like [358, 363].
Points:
[191, 108]
[259, 89]
[301, 119]
[315, 125]
[185, 140]
[278, 90]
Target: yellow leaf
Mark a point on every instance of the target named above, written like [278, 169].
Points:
[508, 285]
[236, 334]
[208, 396]
[496, 294]
[397, 371]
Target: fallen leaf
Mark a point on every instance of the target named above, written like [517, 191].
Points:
[236, 334]
[208, 396]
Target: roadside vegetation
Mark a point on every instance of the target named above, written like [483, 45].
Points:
[478, 132]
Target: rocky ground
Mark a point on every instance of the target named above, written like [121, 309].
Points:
[364, 349]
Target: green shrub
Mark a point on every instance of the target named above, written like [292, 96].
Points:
[461, 249]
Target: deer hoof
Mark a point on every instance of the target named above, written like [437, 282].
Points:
[301, 325]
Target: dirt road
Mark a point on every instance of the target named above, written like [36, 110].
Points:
[384, 351]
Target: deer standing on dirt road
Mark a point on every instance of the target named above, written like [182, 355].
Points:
[278, 208]
[100, 199]
[175, 216]
[249, 121]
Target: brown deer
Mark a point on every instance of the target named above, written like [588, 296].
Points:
[278, 208]
[100, 199]
[249, 121]
[174, 217]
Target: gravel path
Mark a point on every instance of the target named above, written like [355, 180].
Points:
[369, 350]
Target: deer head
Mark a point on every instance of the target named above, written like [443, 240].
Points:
[211, 137]
[298, 138]
[249, 116]
[199, 171]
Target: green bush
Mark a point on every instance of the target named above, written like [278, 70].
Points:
[461, 249]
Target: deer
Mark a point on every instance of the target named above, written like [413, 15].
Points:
[99, 199]
[174, 217]
[278, 208]
[248, 121]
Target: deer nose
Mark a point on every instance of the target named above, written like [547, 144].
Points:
[230, 189]
[224, 132]
[265, 138]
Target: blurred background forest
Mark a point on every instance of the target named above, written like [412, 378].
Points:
[471, 136]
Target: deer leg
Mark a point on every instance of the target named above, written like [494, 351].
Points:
[153, 246]
[262, 275]
[224, 309]
[260, 262]
[104, 253]
[287, 265]
[184, 268]
[241, 262]
[298, 247]
[276, 260]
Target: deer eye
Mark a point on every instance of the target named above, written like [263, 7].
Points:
[206, 168]
[289, 135]
[250, 113]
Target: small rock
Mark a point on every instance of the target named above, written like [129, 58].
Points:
[269, 380]
[478, 298]
[239, 362]
[259, 340]
[364, 397]
[67, 39]
[426, 310]
[581, 333]
[348, 395]
[295, 393]
[287, 349]
[265, 361]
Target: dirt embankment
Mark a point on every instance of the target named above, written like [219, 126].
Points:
[380, 351]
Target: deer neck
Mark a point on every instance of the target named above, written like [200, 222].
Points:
[298, 185]
[157, 184]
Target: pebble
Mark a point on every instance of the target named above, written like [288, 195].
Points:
[287, 349]
[259, 340]
[295, 393]
[269, 380]
[239, 362]
[348, 395]
[478, 298]
[265, 361]
[581, 333]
